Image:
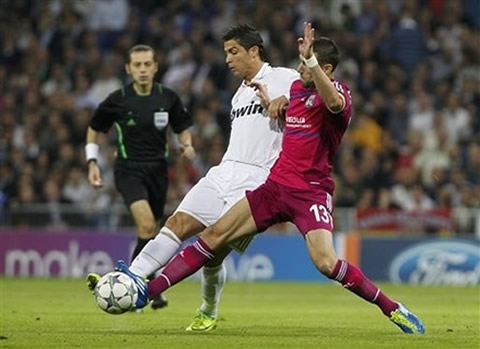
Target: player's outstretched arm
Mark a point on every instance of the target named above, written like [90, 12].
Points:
[333, 100]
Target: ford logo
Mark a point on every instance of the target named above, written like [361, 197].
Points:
[435, 263]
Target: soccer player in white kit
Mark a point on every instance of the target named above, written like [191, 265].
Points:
[255, 143]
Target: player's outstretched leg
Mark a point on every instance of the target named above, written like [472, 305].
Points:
[353, 279]
[141, 283]
[92, 281]
[406, 320]
[320, 247]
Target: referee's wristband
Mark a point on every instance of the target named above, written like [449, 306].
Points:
[311, 62]
[91, 152]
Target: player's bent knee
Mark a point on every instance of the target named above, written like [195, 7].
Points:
[183, 225]
[325, 265]
[175, 223]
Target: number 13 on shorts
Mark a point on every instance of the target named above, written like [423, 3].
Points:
[322, 213]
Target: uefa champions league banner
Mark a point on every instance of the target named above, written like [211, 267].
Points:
[74, 254]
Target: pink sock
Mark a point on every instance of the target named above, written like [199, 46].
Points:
[354, 280]
[184, 264]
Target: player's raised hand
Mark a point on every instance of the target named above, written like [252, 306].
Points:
[94, 175]
[305, 44]
[261, 93]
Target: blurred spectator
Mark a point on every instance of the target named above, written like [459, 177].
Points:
[434, 152]
[103, 85]
[76, 189]
[421, 113]
[408, 46]
[53, 199]
[457, 120]
[366, 132]
[397, 123]
[473, 164]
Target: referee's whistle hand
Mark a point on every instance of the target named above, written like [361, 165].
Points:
[188, 152]
[97, 184]
[94, 176]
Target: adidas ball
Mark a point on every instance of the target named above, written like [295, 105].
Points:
[115, 293]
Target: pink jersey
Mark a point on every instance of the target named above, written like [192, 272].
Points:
[311, 137]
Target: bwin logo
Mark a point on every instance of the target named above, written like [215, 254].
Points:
[246, 110]
[437, 263]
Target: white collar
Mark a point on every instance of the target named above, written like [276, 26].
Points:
[265, 68]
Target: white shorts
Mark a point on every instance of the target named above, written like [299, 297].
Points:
[222, 187]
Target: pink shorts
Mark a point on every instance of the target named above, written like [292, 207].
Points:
[273, 203]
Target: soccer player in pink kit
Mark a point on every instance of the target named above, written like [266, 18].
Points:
[299, 188]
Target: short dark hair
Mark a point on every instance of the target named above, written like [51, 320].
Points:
[141, 48]
[327, 51]
[247, 36]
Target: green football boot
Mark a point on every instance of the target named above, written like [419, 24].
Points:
[202, 322]
[92, 281]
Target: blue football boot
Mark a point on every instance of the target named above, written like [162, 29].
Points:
[142, 299]
[406, 320]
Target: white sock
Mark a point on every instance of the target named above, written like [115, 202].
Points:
[156, 253]
[213, 280]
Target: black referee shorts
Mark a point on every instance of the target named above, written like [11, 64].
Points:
[137, 180]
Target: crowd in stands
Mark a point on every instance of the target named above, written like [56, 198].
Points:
[413, 67]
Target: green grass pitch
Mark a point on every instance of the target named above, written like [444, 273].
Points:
[56, 313]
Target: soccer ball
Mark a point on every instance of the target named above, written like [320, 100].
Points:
[116, 293]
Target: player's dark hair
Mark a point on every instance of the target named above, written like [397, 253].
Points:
[247, 36]
[141, 48]
[326, 51]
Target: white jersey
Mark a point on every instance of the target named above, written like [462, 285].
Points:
[255, 138]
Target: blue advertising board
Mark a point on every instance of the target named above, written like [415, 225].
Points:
[426, 261]
[271, 257]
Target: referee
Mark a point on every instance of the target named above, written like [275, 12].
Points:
[141, 112]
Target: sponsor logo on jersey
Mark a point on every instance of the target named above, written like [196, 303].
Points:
[441, 262]
[310, 101]
[295, 119]
[246, 110]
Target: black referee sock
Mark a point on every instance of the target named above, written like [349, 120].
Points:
[140, 245]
